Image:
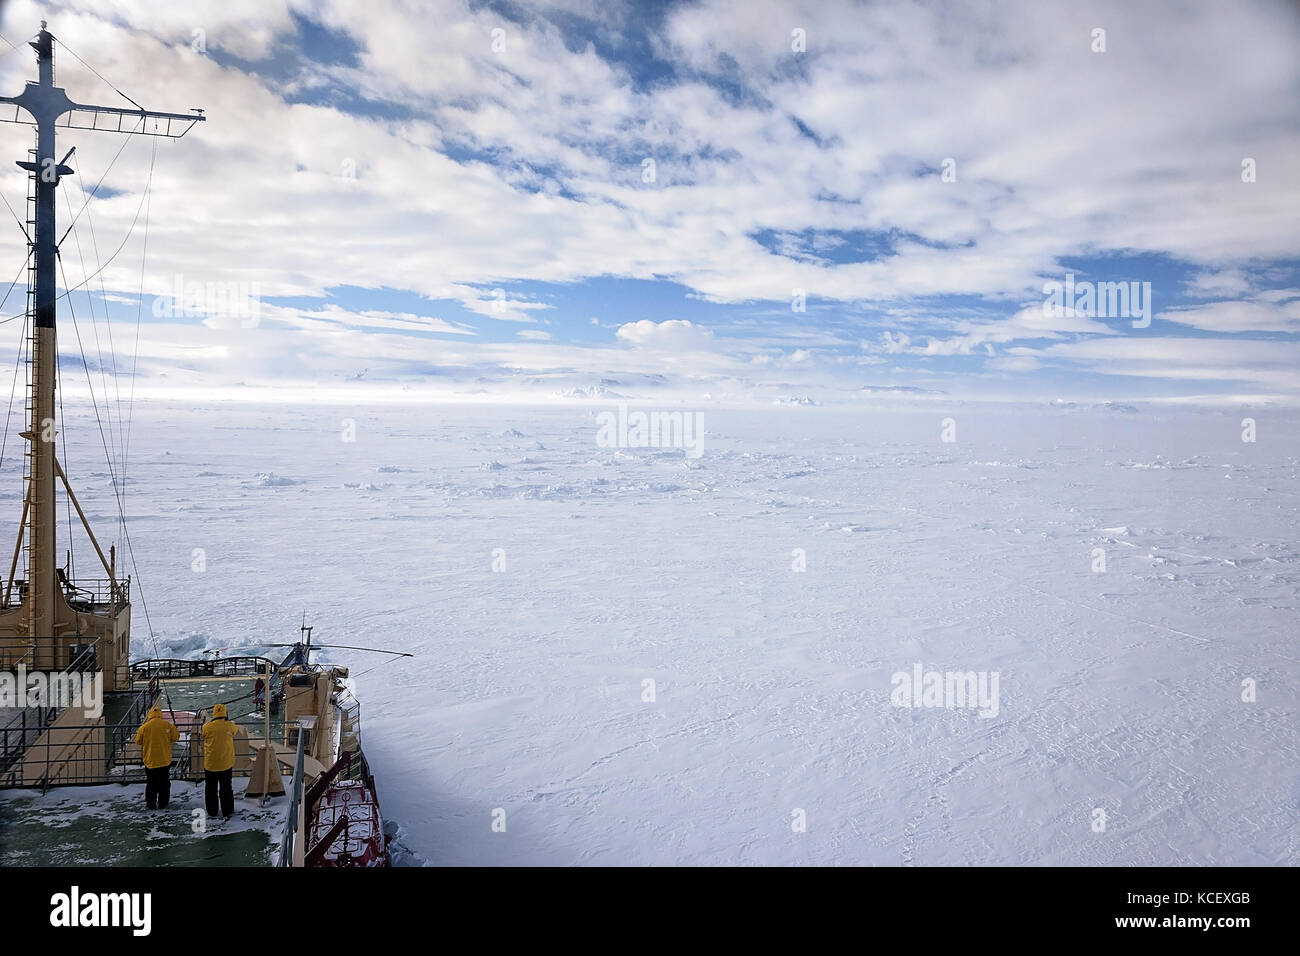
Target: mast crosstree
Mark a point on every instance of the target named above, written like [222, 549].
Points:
[53, 619]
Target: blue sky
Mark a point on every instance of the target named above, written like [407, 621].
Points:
[735, 199]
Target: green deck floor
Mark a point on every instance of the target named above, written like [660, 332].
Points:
[108, 825]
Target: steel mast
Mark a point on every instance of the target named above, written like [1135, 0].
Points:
[47, 107]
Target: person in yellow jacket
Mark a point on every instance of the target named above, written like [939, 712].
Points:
[219, 761]
[155, 738]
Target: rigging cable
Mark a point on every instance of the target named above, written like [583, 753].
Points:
[69, 49]
[67, 292]
[108, 326]
[13, 389]
[380, 664]
[117, 489]
[139, 307]
[97, 185]
[21, 226]
[112, 474]
[22, 350]
[15, 46]
[90, 301]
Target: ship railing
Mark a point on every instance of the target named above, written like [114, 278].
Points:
[358, 769]
[187, 754]
[354, 840]
[93, 752]
[76, 754]
[172, 668]
[66, 754]
[82, 593]
[26, 728]
[9, 660]
[98, 592]
[86, 659]
[123, 732]
[19, 736]
[350, 717]
[288, 841]
[324, 823]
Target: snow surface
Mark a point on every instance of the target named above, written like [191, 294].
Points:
[1119, 691]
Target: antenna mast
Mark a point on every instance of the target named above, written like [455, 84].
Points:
[47, 615]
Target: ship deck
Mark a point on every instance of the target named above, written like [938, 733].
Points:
[109, 825]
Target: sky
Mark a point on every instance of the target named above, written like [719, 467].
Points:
[698, 201]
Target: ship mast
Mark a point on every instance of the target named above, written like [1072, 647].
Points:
[46, 107]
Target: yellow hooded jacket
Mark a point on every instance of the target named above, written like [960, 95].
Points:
[219, 741]
[155, 737]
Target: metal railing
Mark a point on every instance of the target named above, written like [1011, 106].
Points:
[98, 591]
[9, 659]
[166, 668]
[86, 660]
[123, 732]
[19, 735]
[78, 755]
[359, 768]
[290, 837]
[26, 727]
[83, 592]
[92, 753]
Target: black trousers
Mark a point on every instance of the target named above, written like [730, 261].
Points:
[157, 787]
[219, 780]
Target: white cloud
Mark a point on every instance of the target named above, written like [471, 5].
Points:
[672, 334]
[1028, 323]
[500, 306]
[1215, 283]
[1257, 314]
[1013, 363]
[526, 165]
[1269, 366]
[894, 343]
